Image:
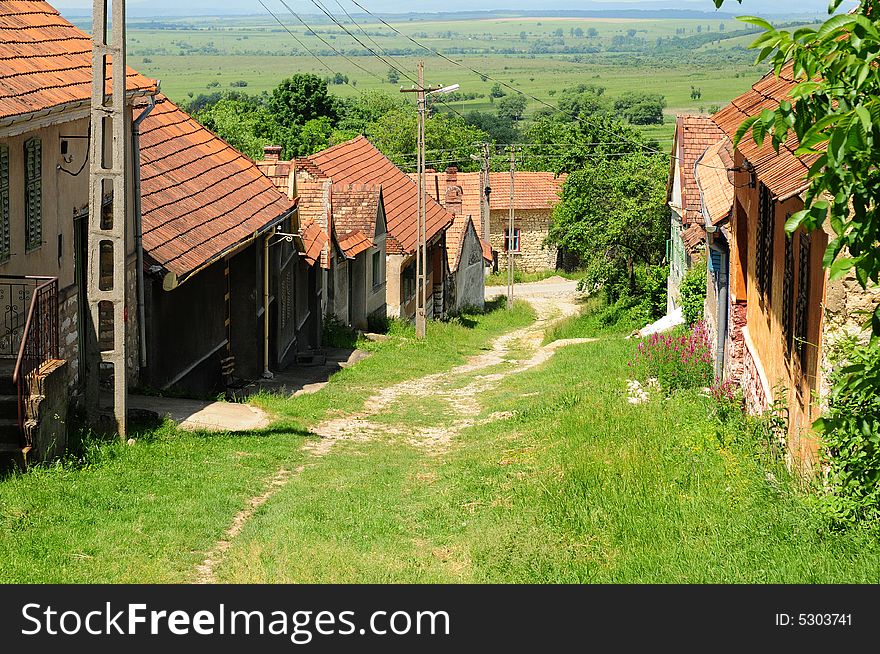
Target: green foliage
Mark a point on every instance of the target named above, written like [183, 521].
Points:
[244, 125]
[613, 216]
[336, 333]
[497, 91]
[500, 130]
[512, 107]
[641, 108]
[851, 440]
[693, 293]
[301, 98]
[393, 76]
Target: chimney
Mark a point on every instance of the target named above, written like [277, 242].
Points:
[272, 152]
[453, 192]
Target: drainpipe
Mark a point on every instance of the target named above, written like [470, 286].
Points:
[267, 374]
[138, 230]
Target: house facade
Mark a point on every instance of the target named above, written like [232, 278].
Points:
[686, 244]
[535, 196]
[783, 312]
[44, 197]
[357, 163]
[213, 259]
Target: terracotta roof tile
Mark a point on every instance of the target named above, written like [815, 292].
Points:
[46, 62]
[715, 180]
[353, 243]
[359, 162]
[782, 172]
[694, 237]
[355, 207]
[693, 134]
[532, 191]
[315, 241]
[200, 196]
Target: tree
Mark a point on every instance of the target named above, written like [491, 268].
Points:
[592, 32]
[301, 98]
[246, 126]
[512, 107]
[641, 108]
[584, 99]
[496, 91]
[500, 130]
[393, 76]
[613, 216]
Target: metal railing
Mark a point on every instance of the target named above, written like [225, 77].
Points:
[39, 341]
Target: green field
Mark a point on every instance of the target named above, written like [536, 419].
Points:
[253, 54]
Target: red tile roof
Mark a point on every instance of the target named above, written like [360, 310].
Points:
[693, 134]
[278, 172]
[314, 206]
[715, 180]
[532, 191]
[200, 197]
[359, 162]
[353, 243]
[315, 241]
[782, 172]
[355, 208]
[45, 62]
[694, 237]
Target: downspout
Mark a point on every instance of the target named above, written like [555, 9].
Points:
[138, 224]
[267, 374]
[721, 277]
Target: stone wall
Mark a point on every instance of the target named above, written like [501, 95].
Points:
[757, 397]
[534, 226]
[734, 348]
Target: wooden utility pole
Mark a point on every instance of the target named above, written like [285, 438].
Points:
[422, 247]
[510, 227]
[108, 155]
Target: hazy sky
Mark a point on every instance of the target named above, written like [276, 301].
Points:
[218, 7]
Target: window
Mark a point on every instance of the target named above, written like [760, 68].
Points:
[5, 246]
[33, 193]
[409, 282]
[788, 293]
[803, 297]
[377, 269]
[764, 245]
[511, 245]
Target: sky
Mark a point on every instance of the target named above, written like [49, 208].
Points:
[237, 7]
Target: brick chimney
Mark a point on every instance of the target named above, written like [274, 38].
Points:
[272, 152]
[452, 198]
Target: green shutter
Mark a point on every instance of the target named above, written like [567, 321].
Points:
[33, 188]
[4, 204]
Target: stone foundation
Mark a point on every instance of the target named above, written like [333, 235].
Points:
[734, 359]
[757, 397]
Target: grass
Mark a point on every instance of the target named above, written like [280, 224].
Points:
[568, 484]
[149, 512]
[519, 277]
[597, 319]
[576, 486]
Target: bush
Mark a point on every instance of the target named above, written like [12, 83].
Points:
[851, 439]
[676, 361]
[336, 333]
[693, 294]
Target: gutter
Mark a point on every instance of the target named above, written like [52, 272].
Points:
[138, 224]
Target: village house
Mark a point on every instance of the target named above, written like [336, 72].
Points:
[535, 196]
[208, 226]
[783, 313]
[226, 298]
[467, 254]
[358, 163]
[45, 92]
[687, 235]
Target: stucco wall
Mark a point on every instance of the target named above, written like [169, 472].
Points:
[534, 225]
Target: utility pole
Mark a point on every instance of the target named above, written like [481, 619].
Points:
[484, 195]
[510, 227]
[422, 246]
[106, 274]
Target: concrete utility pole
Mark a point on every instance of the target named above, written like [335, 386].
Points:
[485, 190]
[422, 247]
[510, 227]
[106, 275]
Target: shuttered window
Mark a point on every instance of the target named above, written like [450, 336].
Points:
[764, 250]
[803, 297]
[5, 246]
[788, 293]
[33, 193]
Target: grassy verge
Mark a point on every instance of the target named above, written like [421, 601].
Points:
[597, 319]
[149, 512]
[573, 485]
[519, 277]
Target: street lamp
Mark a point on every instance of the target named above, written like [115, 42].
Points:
[422, 248]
